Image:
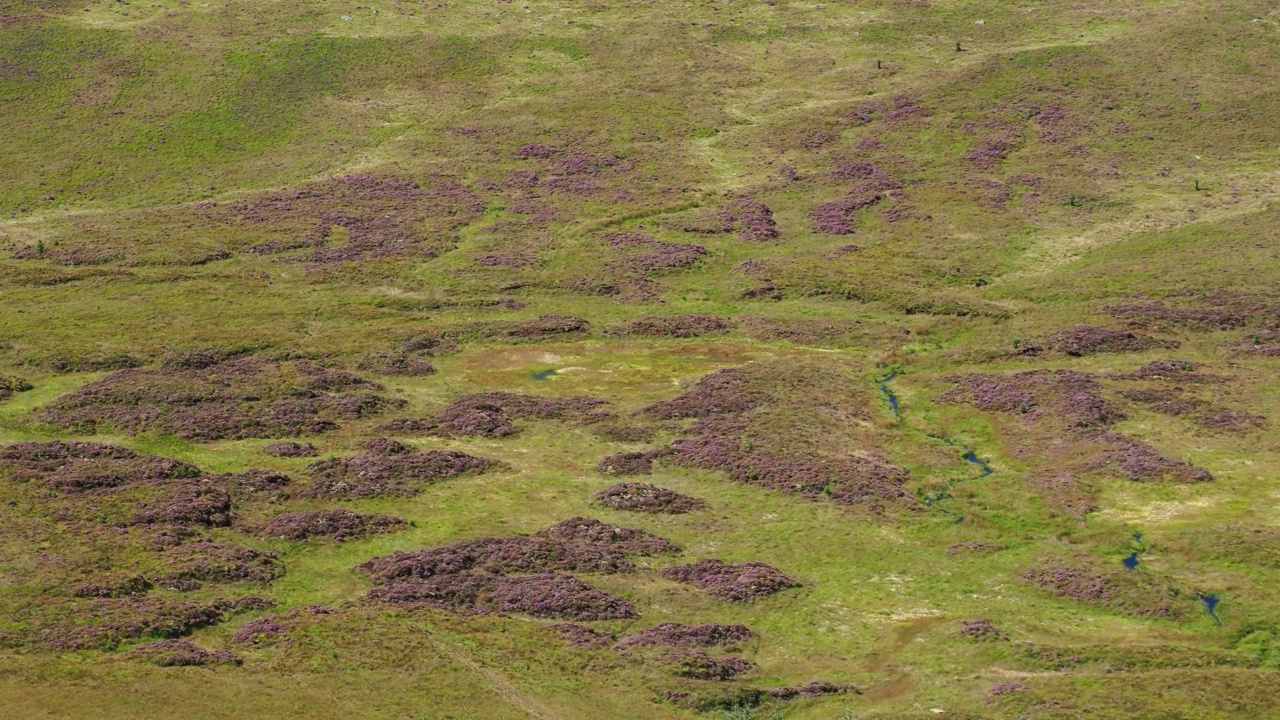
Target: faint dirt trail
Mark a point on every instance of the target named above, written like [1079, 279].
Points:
[500, 683]
[897, 681]
[1240, 195]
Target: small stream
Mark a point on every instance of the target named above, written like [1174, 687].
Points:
[1211, 604]
[970, 455]
[883, 384]
[545, 374]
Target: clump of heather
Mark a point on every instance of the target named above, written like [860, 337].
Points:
[677, 635]
[291, 450]
[744, 582]
[678, 326]
[234, 399]
[335, 524]
[492, 414]
[641, 497]
[182, 653]
[396, 362]
[389, 468]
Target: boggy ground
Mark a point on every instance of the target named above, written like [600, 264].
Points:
[878, 360]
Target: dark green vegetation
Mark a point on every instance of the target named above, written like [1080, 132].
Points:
[876, 359]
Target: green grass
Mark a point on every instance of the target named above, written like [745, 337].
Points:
[121, 122]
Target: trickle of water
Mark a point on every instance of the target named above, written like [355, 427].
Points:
[1131, 562]
[544, 375]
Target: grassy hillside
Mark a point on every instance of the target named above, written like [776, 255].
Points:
[962, 317]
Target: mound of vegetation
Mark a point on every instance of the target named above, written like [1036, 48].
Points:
[1124, 591]
[641, 497]
[273, 628]
[234, 399]
[209, 561]
[689, 636]
[291, 450]
[389, 468]
[492, 415]
[700, 665]
[1088, 340]
[678, 326]
[742, 582]
[1053, 405]
[795, 427]
[522, 573]
[336, 524]
[10, 386]
[384, 217]
[182, 653]
[581, 636]
[395, 362]
[105, 623]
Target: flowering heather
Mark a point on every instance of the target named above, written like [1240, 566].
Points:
[1067, 396]
[457, 592]
[699, 665]
[689, 636]
[1141, 462]
[1218, 310]
[677, 326]
[395, 362]
[192, 503]
[983, 630]
[537, 152]
[492, 414]
[507, 260]
[79, 467]
[291, 450]
[551, 595]
[640, 254]
[592, 532]
[1086, 340]
[1131, 593]
[337, 524]
[640, 497]
[998, 691]
[389, 469]
[384, 217]
[115, 587]
[276, 627]
[236, 399]
[839, 217]
[582, 636]
[182, 653]
[1235, 422]
[1173, 370]
[744, 582]
[105, 623]
[575, 545]
[1260, 344]
[255, 481]
[904, 108]
[208, 561]
[752, 219]
[724, 391]
[734, 405]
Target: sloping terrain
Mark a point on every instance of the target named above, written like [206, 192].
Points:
[878, 359]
